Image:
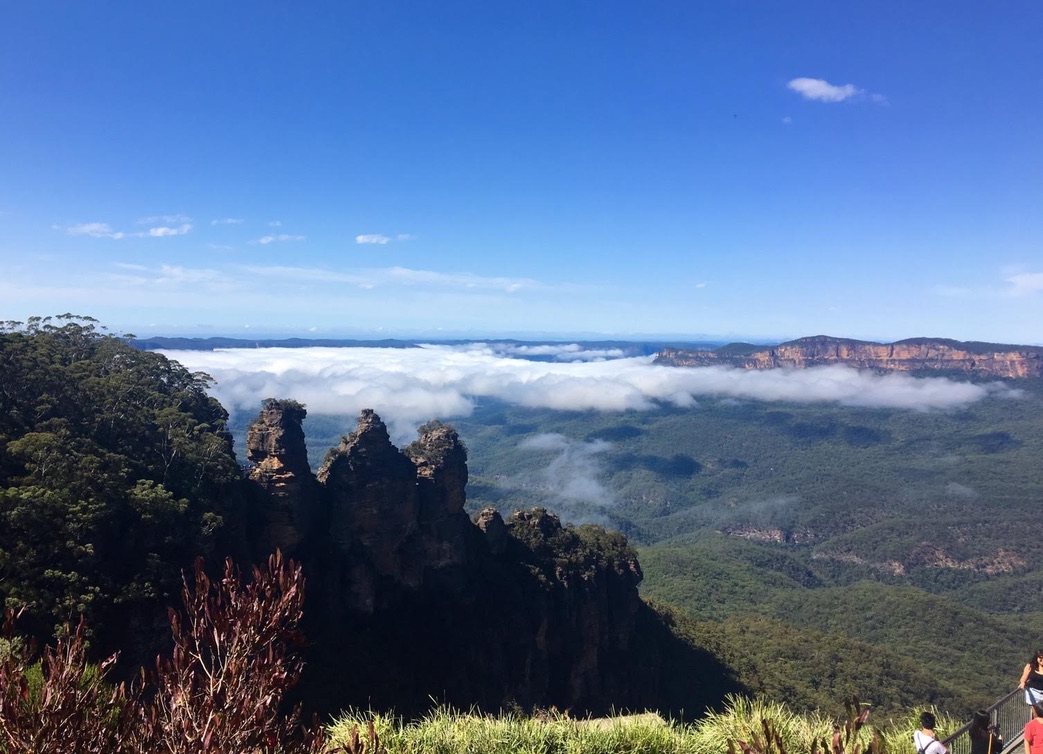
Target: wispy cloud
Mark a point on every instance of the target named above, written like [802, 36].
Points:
[380, 239]
[409, 276]
[821, 90]
[570, 478]
[227, 221]
[557, 351]
[164, 231]
[1025, 284]
[94, 230]
[409, 386]
[165, 220]
[574, 471]
[168, 276]
[104, 230]
[265, 240]
[1010, 285]
[377, 277]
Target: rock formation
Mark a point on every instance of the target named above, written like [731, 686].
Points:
[410, 601]
[914, 355]
[275, 445]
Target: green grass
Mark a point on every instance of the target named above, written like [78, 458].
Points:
[447, 731]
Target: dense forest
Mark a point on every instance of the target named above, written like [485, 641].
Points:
[116, 472]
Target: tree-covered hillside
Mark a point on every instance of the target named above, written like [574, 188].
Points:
[114, 474]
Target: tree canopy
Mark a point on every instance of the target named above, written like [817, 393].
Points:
[115, 468]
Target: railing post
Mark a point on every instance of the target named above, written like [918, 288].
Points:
[1009, 715]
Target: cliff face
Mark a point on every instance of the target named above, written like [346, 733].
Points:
[286, 506]
[920, 354]
[409, 600]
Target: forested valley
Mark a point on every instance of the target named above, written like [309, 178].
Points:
[821, 550]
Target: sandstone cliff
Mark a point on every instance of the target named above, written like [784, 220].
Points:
[410, 601]
[914, 355]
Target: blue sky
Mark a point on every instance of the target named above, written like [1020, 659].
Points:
[755, 170]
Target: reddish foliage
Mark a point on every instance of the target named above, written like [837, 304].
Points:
[220, 692]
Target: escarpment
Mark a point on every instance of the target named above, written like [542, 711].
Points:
[410, 602]
[914, 355]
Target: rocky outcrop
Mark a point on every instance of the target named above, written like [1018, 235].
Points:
[286, 508]
[915, 355]
[373, 507]
[589, 604]
[410, 601]
[444, 526]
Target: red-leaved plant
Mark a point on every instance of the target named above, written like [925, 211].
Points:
[220, 691]
[73, 710]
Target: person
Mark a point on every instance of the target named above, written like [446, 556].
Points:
[1032, 679]
[984, 737]
[926, 741]
[1034, 731]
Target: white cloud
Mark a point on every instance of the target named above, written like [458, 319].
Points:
[571, 475]
[227, 221]
[409, 386]
[274, 223]
[280, 237]
[381, 240]
[178, 274]
[1025, 283]
[456, 280]
[164, 231]
[165, 220]
[104, 230]
[94, 230]
[168, 276]
[822, 91]
[375, 238]
[557, 351]
[394, 276]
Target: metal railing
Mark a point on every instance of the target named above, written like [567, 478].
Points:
[1009, 715]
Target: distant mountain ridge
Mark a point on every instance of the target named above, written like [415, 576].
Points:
[911, 355]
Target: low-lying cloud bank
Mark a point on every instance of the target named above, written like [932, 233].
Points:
[408, 386]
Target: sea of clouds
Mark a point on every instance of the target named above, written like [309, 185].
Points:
[409, 386]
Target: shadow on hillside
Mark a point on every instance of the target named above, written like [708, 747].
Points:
[675, 466]
[689, 679]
